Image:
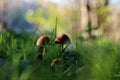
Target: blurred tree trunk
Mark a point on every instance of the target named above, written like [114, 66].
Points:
[75, 19]
[93, 17]
[96, 13]
[114, 32]
[92, 7]
[102, 13]
[5, 14]
[84, 14]
[88, 15]
[83, 22]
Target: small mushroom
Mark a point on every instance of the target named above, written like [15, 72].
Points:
[62, 39]
[54, 62]
[42, 42]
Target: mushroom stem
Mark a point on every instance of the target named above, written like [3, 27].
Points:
[41, 49]
[42, 42]
[62, 47]
[44, 49]
[62, 50]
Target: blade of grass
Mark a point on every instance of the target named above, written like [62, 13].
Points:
[56, 21]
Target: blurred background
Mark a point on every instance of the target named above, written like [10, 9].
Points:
[95, 22]
[81, 19]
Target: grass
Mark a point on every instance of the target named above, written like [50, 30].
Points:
[100, 60]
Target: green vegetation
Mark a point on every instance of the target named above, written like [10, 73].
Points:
[18, 59]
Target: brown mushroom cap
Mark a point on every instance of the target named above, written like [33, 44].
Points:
[43, 40]
[55, 61]
[62, 39]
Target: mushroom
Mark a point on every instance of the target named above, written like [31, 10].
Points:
[54, 61]
[42, 42]
[62, 39]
